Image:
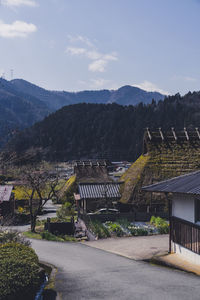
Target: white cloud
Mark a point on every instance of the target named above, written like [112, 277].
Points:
[150, 87]
[98, 65]
[2, 73]
[99, 60]
[76, 51]
[81, 39]
[98, 83]
[16, 3]
[16, 29]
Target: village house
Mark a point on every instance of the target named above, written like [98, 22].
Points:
[6, 200]
[166, 154]
[93, 196]
[183, 194]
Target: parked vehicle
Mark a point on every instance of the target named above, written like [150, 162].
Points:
[105, 211]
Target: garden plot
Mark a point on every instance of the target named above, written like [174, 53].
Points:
[123, 227]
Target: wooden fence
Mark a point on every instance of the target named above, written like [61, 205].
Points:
[60, 228]
[185, 234]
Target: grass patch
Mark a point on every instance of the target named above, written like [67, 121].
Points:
[32, 235]
[45, 235]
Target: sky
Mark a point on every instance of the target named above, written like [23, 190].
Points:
[76, 45]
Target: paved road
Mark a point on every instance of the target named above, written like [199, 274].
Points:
[50, 212]
[89, 273]
[136, 247]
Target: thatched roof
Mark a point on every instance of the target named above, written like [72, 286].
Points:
[166, 155]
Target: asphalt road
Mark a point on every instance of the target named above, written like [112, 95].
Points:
[89, 273]
[50, 212]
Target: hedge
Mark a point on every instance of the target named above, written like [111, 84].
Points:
[19, 271]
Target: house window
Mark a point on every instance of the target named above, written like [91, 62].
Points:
[197, 210]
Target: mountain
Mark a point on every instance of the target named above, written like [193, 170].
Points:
[126, 95]
[17, 110]
[109, 131]
[23, 103]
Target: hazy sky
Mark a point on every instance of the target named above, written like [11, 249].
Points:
[93, 44]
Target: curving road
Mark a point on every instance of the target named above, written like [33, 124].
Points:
[89, 273]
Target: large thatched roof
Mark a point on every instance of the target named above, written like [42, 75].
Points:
[165, 155]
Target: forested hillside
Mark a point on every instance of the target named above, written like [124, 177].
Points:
[102, 131]
[17, 110]
[23, 103]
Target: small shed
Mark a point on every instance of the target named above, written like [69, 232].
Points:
[6, 200]
[94, 196]
[183, 193]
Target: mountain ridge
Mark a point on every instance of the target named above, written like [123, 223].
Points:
[125, 95]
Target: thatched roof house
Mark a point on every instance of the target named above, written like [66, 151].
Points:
[165, 155]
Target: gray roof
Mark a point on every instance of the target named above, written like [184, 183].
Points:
[185, 184]
[99, 190]
[5, 192]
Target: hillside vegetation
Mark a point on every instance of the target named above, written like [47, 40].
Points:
[101, 131]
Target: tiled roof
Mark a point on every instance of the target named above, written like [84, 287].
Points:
[186, 184]
[99, 190]
[5, 192]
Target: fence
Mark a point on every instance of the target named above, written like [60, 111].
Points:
[132, 217]
[185, 234]
[60, 228]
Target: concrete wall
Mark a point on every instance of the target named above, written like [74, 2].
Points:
[186, 254]
[183, 207]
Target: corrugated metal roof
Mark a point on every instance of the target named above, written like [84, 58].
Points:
[185, 184]
[5, 192]
[99, 190]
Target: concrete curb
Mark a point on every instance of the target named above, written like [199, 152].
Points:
[180, 265]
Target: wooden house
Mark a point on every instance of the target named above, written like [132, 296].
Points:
[6, 200]
[93, 196]
[183, 193]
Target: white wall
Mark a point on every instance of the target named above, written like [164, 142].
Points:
[183, 207]
[186, 254]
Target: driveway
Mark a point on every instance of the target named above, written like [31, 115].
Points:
[138, 248]
[89, 273]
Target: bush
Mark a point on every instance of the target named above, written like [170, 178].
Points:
[160, 224]
[138, 231]
[19, 271]
[8, 236]
[65, 210]
[99, 229]
[115, 228]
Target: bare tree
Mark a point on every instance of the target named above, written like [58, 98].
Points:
[39, 187]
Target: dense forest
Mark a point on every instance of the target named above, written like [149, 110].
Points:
[102, 130]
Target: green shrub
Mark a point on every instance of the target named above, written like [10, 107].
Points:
[65, 210]
[99, 229]
[123, 222]
[19, 271]
[160, 224]
[8, 236]
[115, 228]
[163, 229]
[138, 231]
